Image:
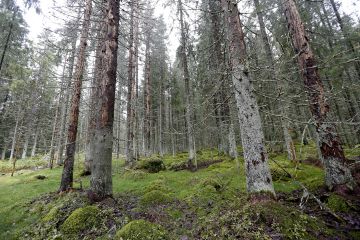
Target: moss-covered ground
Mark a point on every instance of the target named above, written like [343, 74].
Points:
[174, 201]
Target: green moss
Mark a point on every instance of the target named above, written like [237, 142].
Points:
[52, 215]
[142, 230]
[135, 174]
[337, 203]
[214, 182]
[158, 184]
[154, 197]
[152, 165]
[80, 220]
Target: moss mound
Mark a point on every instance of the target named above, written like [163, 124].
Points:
[215, 183]
[262, 221]
[52, 215]
[142, 230]
[337, 203]
[158, 184]
[152, 165]
[154, 197]
[80, 220]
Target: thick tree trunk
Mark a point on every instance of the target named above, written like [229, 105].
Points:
[67, 175]
[94, 106]
[258, 177]
[188, 92]
[336, 171]
[101, 175]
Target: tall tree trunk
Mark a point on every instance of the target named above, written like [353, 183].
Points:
[26, 144]
[188, 92]
[67, 175]
[258, 177]
[53, 135]
[101, 175]
[130, 116]
[336, 172]
[147, 98]
[64, 112]
[94, 106]
[273, 76]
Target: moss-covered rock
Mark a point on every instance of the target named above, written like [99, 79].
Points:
[152, 165]
[155, 197]
[80, 220]
[142, 230]
[337, 203]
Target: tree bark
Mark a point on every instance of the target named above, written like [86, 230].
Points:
[147, 98]
[67, 175]
[130, 158]
[188, 93]
[336, 171]
[101, 175]
[258, 177]
[33, 149]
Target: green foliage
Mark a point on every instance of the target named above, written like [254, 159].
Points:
[141, 229]
[337, 203]
[152, 165]
[155, 197]
[80, 220]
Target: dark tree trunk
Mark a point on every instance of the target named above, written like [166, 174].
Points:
[336, 172]
[67, 175]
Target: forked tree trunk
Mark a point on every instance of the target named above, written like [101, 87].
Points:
[336, 172]
[101, 175]
[67, 174]
[258, 177]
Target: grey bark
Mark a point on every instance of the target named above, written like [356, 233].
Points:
[258, 177]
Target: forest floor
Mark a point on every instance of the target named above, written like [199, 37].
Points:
[178, 202]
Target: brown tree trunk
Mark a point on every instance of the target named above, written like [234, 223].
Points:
[67, 175]
[101, 175]
[336, 172]
[258, 177]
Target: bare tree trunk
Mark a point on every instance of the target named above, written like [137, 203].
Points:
[101, 175]
[64, 112]
[336, 172]
[130, 159]
[94, 106]
[14, 137]
[53, 135]
[188, 93]
[67, 175]
[147, 98]
[348, 42]
[258, 177]
[25, 147]
[33, 149]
